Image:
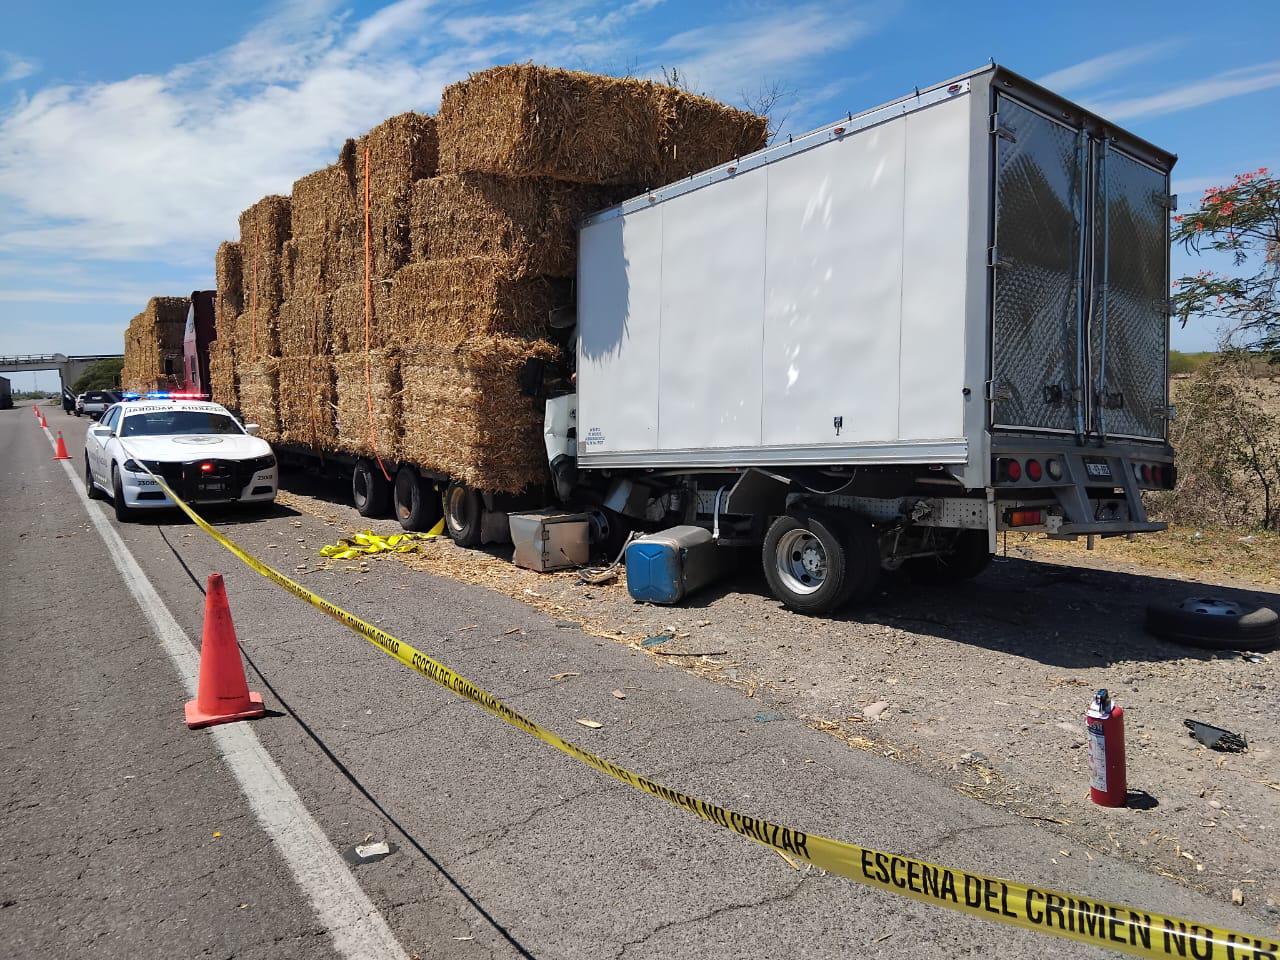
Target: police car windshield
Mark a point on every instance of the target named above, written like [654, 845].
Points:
[165, 422]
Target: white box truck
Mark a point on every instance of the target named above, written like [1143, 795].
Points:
[882, 343]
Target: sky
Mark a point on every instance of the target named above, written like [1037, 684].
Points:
[131, 135]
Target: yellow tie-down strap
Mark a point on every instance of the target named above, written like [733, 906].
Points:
[1142, 933]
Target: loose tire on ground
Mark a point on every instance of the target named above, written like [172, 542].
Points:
[90, 487]
[1215, 623]
[370, 490]
[968, 558]
[124, 513]
[805, 563]
[462, 514]
[416, 506]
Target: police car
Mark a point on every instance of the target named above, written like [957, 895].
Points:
[203, 453]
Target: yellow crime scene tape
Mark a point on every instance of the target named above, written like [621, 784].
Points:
[368, 542]
[1142, 933]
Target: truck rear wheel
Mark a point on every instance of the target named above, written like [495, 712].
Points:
[964, 561]
[807, 564]
[416, 505]
[462, 514]
[370, 489]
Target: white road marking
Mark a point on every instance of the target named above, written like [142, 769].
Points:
[358, 930]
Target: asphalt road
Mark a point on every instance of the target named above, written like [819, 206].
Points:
[502, 847]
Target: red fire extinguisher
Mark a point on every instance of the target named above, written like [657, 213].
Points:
[1105, 725]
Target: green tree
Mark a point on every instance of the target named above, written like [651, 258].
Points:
[99, 375]
[1241, 219]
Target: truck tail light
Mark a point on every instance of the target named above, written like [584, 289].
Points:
[1053, 468]
[1010, 470]
[1034, 471]
[1026, 518]
[1148, 472]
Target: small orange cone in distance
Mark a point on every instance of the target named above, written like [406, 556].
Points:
[222, 695]
[60, 451]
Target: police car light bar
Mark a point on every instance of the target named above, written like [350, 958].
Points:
[168, 395]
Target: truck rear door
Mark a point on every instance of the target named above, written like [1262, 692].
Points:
[1080, 282]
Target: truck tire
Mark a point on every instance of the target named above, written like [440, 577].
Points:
[124, 513]
[965, 560]
[862, 559]
[416, 505]
[462, 514]
[90, 488]
[1215, 623]
[370, 489]
[806, 563]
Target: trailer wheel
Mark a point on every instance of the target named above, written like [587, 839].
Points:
[370, 490]
[462, 514]
[417, 509]
[862, 559]
[965, 560]
[805, 562]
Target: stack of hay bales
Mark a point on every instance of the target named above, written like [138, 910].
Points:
[418, 358]
[525, 153]
[228, 304]
[153, 345]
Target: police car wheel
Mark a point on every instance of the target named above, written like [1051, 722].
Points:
[124, 513]
[90, 487]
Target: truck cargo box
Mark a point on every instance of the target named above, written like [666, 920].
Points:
[894, 288]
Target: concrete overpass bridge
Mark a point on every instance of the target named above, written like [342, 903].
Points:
[69, 368]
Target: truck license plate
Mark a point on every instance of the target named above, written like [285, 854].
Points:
[1098, 469]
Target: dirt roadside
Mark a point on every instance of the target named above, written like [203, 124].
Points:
[984, 685]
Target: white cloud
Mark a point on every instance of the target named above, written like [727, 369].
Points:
[1222, 86]
[1090, 72]
[731, 56]
[158, 166]
[14, 67]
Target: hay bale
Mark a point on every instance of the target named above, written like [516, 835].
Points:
[153, 345]
[443, 303]
[257, 335]
[531, 222]
[307, 402]
[464, 416]
[402, 149]
[228, 300]
[347, 318]
[259, 396]
[323, 201]
[222, 374]
[303, 326]
[264, 228]
[529, 121]
[368, 402]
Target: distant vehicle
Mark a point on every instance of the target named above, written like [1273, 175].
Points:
[203, 452]
[68, 401]
[94, 403]
[6, 394]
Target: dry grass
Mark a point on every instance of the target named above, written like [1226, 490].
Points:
[464, 415]
[530, 223]
[307, 405]
[529, 121]
[442, 303]
[1200, 553]
[369, 402]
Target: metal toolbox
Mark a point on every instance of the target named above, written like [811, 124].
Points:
[550, 540]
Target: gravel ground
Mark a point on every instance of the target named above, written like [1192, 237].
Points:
[984, 685]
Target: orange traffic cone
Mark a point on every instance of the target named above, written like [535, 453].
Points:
[43, 422]
[60, 451]
[222, 695]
